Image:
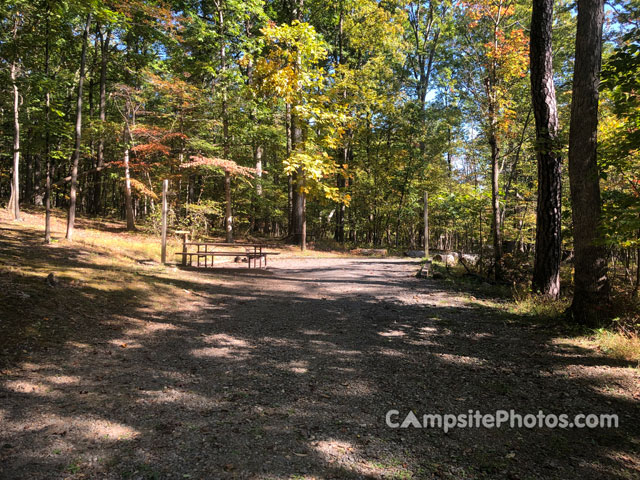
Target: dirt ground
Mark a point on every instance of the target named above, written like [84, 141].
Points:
[288, 374]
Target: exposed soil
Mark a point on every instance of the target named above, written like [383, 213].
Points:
[289, 373]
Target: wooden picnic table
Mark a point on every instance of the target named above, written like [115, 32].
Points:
[206, 250]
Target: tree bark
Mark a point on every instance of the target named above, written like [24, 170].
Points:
[47, 203]
[289, 176]
[298, 196]
[496, 224]
[591, 286]
[228, 219]
[128, 204]
[546, 274]
[97, 179]
[71, 218]
[426, 225]
[14, 202]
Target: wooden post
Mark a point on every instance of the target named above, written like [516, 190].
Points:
[426, 224]
[163, 254]
[185, 239]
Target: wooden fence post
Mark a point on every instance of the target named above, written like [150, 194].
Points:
[163, 254]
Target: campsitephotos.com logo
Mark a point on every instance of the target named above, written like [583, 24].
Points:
[500, 419]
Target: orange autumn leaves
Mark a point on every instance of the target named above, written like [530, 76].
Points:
[505, 49]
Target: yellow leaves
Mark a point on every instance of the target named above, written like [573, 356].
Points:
[289, 66]
[142, 189]
[227, 165]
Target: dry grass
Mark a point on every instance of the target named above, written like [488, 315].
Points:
[539, 307]
[103, 236]
[619, 344]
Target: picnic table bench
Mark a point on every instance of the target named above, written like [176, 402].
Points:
[209, 250]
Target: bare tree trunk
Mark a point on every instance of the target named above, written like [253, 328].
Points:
[14, 201]
[258, 218]
[47, 216]
[97, 190]
[636, 287]
[426, 225]
[289, 177]
[228, 219]
[303, 239]
[495, 205]
[298, 196]
[71, 218]
[128, 204]
[591, 291]
[258, 159]
[546, 274]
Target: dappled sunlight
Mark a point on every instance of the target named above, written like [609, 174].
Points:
[226, 347]
[295, 366]
[124, 342]
[393, 333]
[21, 386]
[63, 379]
[207, 367]
[313, 333]
[391, 352]
[174, 396]
[333, 450]
[461, 360]
[143, 328]
[220, 352]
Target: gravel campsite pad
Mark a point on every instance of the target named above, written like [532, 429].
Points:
[289, 373]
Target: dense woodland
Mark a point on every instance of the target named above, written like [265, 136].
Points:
[328, 122]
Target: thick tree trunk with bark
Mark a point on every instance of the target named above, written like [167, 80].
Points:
[591, 286]
[298, 196]
[546, 274]
[71, 218]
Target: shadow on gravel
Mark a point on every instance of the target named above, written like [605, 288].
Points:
[289, 374]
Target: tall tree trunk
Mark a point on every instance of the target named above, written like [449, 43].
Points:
[290, 226]
[47, 143]
[340, 180]
[258, 159]
[591, 286]
[636, 287]
[228, 219]
[299, 196]
[496, 218]
[14, 202]
[546, 273]
[97, 179]
[128, 203]
[496, 224]
[71, 218]
[298, 214]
